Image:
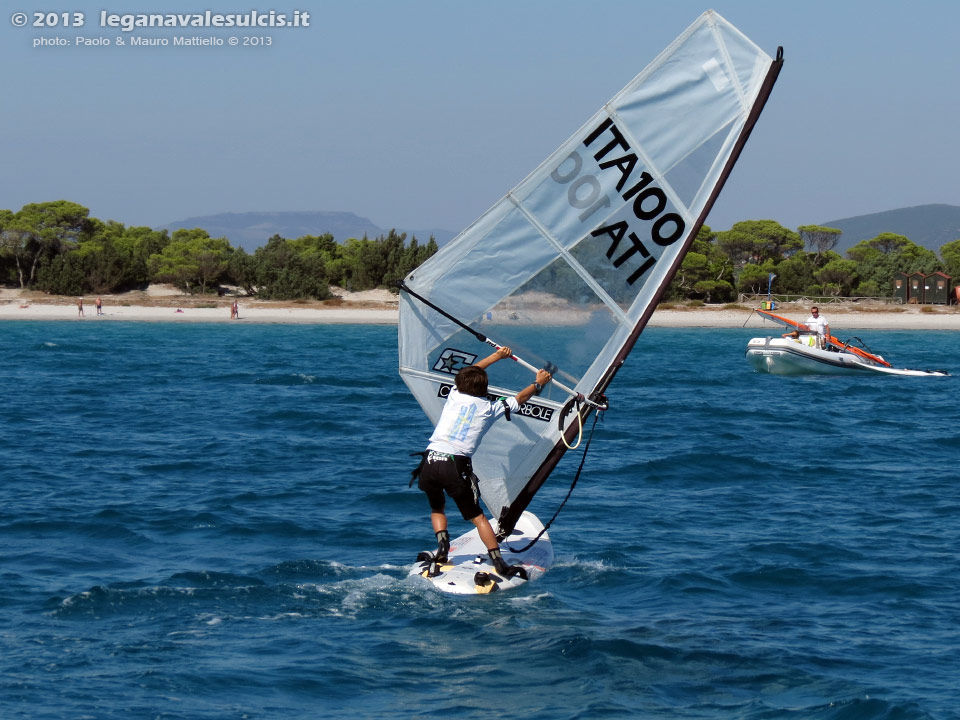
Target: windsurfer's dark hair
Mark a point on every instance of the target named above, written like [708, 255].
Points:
[472, 380]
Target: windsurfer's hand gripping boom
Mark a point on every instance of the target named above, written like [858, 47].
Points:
[547, 373]
[483, 338]
[534, 388]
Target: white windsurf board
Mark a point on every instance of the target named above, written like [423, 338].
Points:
[468, 557]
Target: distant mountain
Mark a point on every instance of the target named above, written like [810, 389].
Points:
[250, 230]
[931, 226]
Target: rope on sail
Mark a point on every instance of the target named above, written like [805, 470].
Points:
[563, 435]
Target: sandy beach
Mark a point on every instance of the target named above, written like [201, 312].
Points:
[166, 304]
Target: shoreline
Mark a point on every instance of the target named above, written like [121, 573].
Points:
[186, 314]
[665, 318]
[380, 309]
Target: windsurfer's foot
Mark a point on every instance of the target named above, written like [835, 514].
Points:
[508, 571]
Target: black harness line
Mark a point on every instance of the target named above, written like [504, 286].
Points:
[573, 484]
[478, 335]
[415, 473]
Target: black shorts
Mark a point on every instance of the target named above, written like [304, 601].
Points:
[453, 474]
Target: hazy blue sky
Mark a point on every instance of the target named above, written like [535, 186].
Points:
[423, 113]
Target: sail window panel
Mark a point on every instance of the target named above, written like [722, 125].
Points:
[686, 178]
[623, 254]
[422, 328]
[682, 103]
[415, 334]
[554, 318]
[508, 456]
[429, 277]
[496, 264]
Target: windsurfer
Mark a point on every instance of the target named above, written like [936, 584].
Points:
[465, 418]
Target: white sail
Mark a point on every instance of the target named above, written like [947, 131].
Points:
[569, 265]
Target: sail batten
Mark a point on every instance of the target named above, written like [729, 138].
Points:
[567, 267]
[728, 66]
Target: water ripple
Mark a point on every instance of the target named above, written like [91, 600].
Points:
[214, 521]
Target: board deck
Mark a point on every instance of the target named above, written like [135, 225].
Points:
[468, 556]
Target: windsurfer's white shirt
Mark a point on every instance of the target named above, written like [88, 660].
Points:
[464, 421]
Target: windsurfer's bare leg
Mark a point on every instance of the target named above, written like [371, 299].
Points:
[486, 532]
[493, 549]
[439, 521]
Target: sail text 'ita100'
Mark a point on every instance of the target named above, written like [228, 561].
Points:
[567, 268]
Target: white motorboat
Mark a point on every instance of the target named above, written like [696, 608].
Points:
[799, 354]
[788, 356]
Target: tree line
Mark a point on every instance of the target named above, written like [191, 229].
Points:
[722, 264]
[56, 247]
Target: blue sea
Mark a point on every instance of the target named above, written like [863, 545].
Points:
[213, 521]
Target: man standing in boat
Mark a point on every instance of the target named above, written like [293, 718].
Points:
[818, 324]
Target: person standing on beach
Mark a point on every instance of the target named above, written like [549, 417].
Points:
[235, 310]
[99, 306]
[446, 465]
[818, 324]
[80, 307]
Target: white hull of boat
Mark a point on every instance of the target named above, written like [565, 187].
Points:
[784, 356]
